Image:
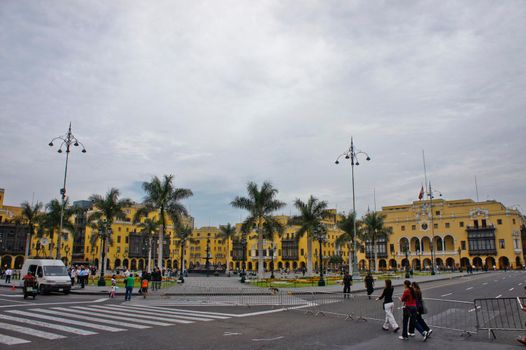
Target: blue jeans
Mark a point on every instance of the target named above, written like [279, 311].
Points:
[128, 294]
[410, 314]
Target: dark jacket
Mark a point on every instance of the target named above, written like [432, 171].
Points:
[387, 295]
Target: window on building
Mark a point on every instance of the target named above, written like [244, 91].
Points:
[501, 244]
[513, 221]
[391, 248]
[516, 243]
[413, 227]
[126, 239]
[499, 221]
[302, 252]
[403, 228]
[447, 224]
[119, 229]
[437, 212]
[482, 242]
[118, 239]
[463, 245]
[435, 225]
[461, 224]
[483, 222]
[475, 223]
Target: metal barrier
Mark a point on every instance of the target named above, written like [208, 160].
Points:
[502, 314]
[446, 314]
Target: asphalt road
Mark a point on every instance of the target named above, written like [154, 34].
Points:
[96, 322]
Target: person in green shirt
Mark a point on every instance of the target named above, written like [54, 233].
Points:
[129, 282]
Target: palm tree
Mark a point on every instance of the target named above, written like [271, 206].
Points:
[260, 204]
[183, 234]
[107, 209]
[161, 196]
[149, 227]
[346, 225]
[100, 231]
[51, 223]
[226, 233]
[312, 213]
[31, 215]
[374, 229]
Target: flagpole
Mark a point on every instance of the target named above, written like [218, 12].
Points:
[425, 171]
[476, 188]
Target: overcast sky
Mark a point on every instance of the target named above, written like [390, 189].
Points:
[220, 93]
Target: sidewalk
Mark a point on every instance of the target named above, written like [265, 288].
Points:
[231, 285]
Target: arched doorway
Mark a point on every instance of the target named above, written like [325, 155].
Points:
[117, 263]
[294, 265]
[7, 260]
[415, 245]
[168, 264]
[490, 262]
[19, 261]
[404, 263]
[361, 265]
[133, 265]
[438, 244]
[477, 262]
[415, 264]
[382, 264]
[518, 263]
[504, 263]
[426, 245]
[108, 264]
[141, 264]
[427, 263]
[176, 265]
[280, 265]
[450, 263]
[250, 266]
[287, 265]
[392, 263]
[439, 263]
[125, 263]
[96, 262]
[449, 243]
[303, 266]
[464, 262]
[404, 244]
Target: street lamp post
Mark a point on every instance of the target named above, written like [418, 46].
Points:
[105, 234]
[207, 258]
[352, 154]
[459, 259]
[66, 141]
[66, 249]
[272, 249]
[433, 262]
[243, 264]
[407, 274]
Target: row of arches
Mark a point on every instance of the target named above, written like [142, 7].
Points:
[414, 244]
[425, 264]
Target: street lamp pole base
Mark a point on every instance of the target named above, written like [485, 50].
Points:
[101, 282]
[321, 282]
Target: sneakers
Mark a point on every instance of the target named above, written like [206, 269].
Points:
[396, 329]
[403, 338]
[429, 333]
[426, 334]
[411, 334]
[385, 329]
[522, 340]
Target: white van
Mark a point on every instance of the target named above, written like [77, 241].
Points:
[51, 275]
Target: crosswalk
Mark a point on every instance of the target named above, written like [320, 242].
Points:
[28, 325]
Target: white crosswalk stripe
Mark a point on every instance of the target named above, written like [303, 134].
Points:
[69, 313]
[68, 321]
[109, 318]
[33, 332]
[150, 315]
[58, 327]
[7, 340]
[157, 311]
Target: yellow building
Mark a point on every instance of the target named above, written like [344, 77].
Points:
[455, 233]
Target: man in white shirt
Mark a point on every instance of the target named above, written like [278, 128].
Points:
[8, 274]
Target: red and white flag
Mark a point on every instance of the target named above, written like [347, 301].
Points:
[421, 194]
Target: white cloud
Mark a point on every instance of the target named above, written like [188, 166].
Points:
[223, 93]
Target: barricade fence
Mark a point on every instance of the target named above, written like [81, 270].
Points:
[500, 314]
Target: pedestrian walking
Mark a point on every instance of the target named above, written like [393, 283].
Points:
[347, 282]
[128, 283]
[409, 300]
[387, 297]
[369, 284]
[8, 274]
[113, 289]
[420, 310]
[144, 286]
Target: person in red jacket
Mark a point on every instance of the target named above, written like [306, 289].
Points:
[409, 300]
